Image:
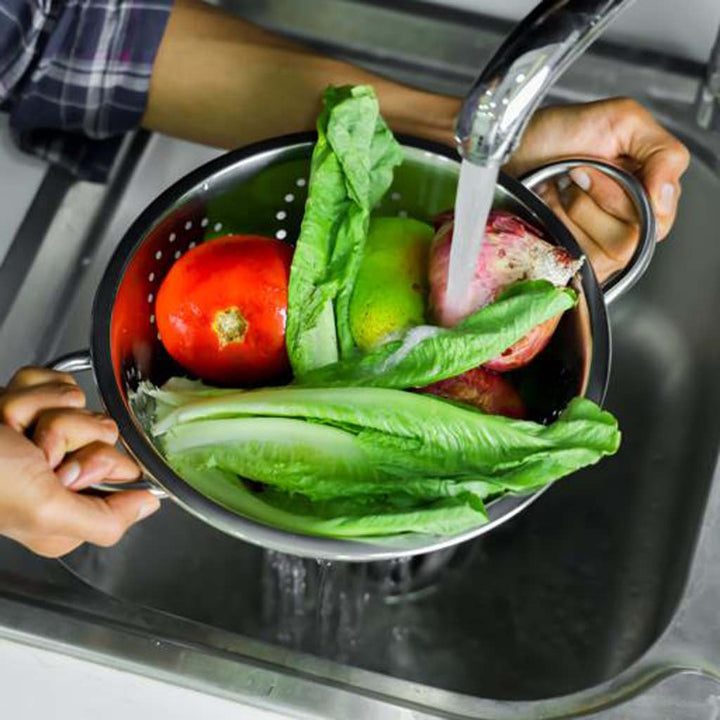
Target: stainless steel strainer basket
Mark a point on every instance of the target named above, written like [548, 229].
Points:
[262, 189]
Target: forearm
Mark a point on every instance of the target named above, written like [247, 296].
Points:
[222, 81]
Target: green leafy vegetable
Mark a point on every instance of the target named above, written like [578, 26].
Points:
[371, 447]
[427, 354]
[340, 519]
[351, 168]
[345, 451]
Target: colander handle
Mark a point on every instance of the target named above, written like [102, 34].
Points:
[81, 361]
[620, 282]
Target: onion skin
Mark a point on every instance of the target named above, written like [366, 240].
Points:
[482, 389]
[511, 251]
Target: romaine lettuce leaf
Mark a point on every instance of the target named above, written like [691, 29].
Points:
[351, 168]
[427, 354]
[375, 445]
[340, 519]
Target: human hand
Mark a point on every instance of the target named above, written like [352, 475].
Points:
[595, 208]
[50, 448]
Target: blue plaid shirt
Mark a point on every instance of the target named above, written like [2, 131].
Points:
[74, 75]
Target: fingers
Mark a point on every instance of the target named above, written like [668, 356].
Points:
[58, 529]
[99, 520]
[29, 376]
[21, 404]
[619, 130]
[603, 264]
[59, 432]
[43, 509]
[97, 463]
[605, 192]
[661, 157]
[617, 239]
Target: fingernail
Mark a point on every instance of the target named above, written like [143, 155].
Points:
[580, 178]
[563, 183]
[74, 394]
[667, 198]
[147, 509]
[69, 473]
[109, 426]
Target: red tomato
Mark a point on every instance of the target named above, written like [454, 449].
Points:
[221, 309]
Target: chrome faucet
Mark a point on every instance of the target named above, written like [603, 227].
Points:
[708, 99]
[512, 85]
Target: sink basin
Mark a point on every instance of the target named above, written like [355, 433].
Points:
[563, 598]
[588, 598]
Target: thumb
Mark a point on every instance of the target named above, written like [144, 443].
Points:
[661, 176]
[100, 520]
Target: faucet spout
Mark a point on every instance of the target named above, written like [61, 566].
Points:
[708, 97]
[512, 85]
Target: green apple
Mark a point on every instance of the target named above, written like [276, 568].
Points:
[391, 287]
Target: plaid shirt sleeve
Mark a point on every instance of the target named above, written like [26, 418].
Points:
[74, 75]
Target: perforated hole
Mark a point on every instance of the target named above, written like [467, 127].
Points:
[204, 222]
[152, 319]
[188, 225]
[172, 237]
[281, 234]
[280, 214]
[192, 245]
[301, 182]
[151, 297]
[151, 277]
[402, 213]
[217, 227]
[158, 255]
[289, 198]
[395, 196]
[177, 255]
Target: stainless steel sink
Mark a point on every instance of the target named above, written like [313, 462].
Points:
[567, 596]
[605, 589]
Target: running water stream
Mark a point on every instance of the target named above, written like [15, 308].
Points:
[321, 606]
[473, 202]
